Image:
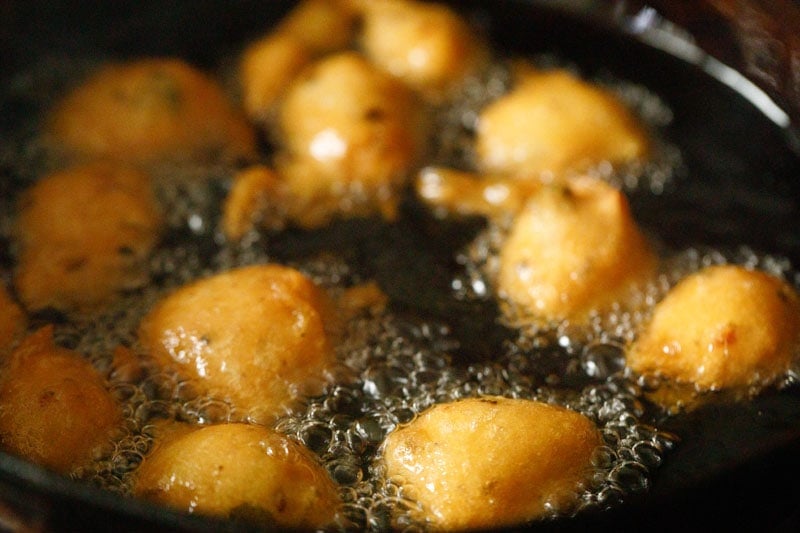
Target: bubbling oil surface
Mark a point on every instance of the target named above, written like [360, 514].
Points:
[393, 365]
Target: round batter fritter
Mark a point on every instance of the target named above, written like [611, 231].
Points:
[574, 248]
[239, 471]
[55, 408]
[429, 46]
[722, 327]
[491, 462]
[350, 135]
[552, 123]
[84, 235]
[255, 336]
[147, 111]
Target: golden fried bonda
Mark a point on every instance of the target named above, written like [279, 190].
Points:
[55, 409]
[722, 327]
[83, 235]
[428, 46]
[350, 135]
[266, 68]
[553, 123]
[491, 462]
[323, 26]
[255, 336]
[575, 248]
[12, 321]
[232, 470]
[150, 110]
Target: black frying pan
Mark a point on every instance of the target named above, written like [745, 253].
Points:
[737, 464]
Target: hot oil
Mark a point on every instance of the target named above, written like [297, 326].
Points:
[395, 364]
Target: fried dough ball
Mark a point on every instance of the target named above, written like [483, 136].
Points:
[574, 248]
[267, 67]
[12, 321]
[322, 25]
[722, 327]
[553, 123]
[255, 336]
[84, 234]
[148, 111]
[257, 197]
[429, 46]
[351, 134]
[491, 462]
[55, 409]
[239, 470]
